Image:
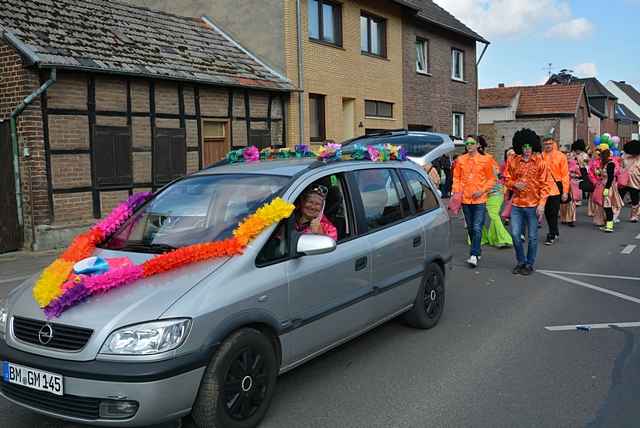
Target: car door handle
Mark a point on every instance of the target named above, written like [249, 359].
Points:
[361, 263]
[417, 241]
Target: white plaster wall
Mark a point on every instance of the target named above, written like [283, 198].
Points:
[566, 130]
[623, 98]
[491, 115]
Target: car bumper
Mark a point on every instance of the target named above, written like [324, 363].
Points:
[163, 390]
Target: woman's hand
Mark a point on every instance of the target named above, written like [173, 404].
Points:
[315, 226]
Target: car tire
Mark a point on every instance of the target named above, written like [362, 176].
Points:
[239, 382]
[429, 303]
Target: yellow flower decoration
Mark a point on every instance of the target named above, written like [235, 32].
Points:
[48, 285]
[264, 217]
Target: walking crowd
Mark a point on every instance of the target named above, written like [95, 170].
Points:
[536, 183]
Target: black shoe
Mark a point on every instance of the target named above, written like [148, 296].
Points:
[518, 269]
[571, 224]
[550, 239]
[527, 270]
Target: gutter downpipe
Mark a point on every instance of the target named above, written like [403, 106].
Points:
[14, 141]
[486, 45]
[300, 72]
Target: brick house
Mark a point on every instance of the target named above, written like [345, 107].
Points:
[601, 101]
[561, 109]
[136, 99]
[627, 124]
[355, 61]
[440, 75]
[628, 96]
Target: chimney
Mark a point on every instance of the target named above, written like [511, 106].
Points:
[500, 85]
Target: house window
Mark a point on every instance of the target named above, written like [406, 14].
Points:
[458, 125]
[112, 156]
[316, 118]
[422, 56]
[378, 109]
[373, 35]
[325, 21]
[169, 155]
[457, 64]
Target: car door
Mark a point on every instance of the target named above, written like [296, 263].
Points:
[327, 292]
[396, 240]
[431, 215]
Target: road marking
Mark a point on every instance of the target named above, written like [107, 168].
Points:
[16, 279]
[592, 326]
[628, 249]
[592, 287]
[595, 275]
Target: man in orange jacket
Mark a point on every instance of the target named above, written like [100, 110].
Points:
[558, 166]
[526, 176]
[473, 178]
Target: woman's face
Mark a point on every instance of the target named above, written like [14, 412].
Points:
[311, 206]
[510, 153]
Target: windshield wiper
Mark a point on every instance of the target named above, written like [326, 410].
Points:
[147, 248]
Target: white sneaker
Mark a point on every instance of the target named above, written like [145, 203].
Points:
[473, 261]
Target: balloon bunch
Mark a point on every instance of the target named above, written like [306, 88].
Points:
[608, 142]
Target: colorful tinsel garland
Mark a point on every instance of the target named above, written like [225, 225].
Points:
[57, 289]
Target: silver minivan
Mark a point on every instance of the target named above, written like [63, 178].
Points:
[231, 325]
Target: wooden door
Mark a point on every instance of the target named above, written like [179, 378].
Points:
[215, 142]
[10, 234]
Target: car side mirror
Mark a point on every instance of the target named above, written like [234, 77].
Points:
[313, 245]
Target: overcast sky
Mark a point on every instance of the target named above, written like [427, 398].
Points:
[590, 37]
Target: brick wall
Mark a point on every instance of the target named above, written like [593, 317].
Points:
[430, 100]
[16, 83]
[490, 133]
[505, 130]
[339, 73]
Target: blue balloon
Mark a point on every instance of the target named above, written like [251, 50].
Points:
[596, 140]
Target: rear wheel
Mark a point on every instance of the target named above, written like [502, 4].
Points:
[239, 382]
[429, 303]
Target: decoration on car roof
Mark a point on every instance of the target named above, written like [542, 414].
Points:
[326, 153]
[60, 288]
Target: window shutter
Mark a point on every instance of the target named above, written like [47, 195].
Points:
[170, 156]
[112, 156]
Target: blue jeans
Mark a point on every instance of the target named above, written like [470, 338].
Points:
[525, 219]
[474, 216]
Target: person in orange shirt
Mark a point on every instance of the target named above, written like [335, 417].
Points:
[558, 166]
[473, 178]
[526, 176]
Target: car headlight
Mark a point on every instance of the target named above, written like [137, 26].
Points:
[148, 338]
[4, 315]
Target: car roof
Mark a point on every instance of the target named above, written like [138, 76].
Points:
[287, 167]
[404, 137]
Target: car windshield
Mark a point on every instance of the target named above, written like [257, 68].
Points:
[415, 145]
[195, 210]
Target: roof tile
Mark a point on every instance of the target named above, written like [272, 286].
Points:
[535, 100]
[497, 97]
[108, 36]
[629, 90]
[430, 11]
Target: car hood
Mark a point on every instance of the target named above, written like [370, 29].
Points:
[142, 301]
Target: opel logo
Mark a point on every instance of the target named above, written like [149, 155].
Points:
[45, 334]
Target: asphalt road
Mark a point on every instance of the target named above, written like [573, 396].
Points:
[490, 362]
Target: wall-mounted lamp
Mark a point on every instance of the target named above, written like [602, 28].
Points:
[360, 125]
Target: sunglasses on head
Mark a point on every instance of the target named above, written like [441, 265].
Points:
[320, 189]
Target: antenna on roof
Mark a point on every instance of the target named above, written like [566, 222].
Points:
[549, 68]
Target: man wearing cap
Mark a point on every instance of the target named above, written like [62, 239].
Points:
[473, 178]
[558, 166]
[526, 176]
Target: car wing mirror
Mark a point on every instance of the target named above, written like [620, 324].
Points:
[313, 245]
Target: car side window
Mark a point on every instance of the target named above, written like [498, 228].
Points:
[277, 247]
[419, 190]
[380, 198]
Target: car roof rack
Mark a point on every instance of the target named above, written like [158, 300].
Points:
[401, 131]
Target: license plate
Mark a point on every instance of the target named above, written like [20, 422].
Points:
[32, 378]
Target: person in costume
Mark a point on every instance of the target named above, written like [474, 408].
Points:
[473, 178]
[309, 213]
[607, 184]
[496, 234]
[579, 154]
[568, 209]
[527, 177]
[558, 167]
[631, 163]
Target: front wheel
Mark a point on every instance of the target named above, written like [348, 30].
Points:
[429, 303]
[239, 382]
